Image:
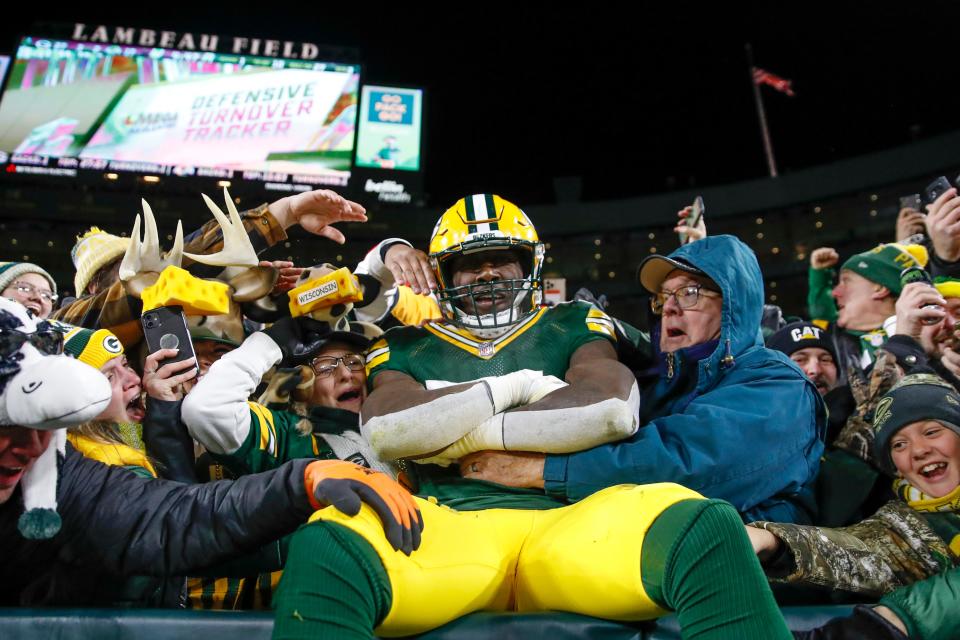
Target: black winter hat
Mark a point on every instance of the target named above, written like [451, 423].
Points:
[917, 397]
[801, 335]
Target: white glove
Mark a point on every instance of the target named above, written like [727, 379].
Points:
[508, 391]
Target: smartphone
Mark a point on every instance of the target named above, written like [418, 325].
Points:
[912, 201]
[936, 189]
[919, 274]
[166, 328]
[696, 213]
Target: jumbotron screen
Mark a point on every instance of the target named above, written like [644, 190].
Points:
[390, 128]
[188, 113]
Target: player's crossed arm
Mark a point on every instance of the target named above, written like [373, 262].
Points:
[403, 418]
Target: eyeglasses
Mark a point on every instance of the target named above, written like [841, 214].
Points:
[28, 289]
[686, 297]
[46, 340]
[324, 366]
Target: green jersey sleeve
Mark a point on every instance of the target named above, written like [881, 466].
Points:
[272, 440]
[599, 326]
[820, 302]
[388, 353]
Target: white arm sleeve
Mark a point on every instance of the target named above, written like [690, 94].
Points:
[572, 429]
[372, 265]
[216, 412]
[431, 426]
[551, 431]
[428, 427]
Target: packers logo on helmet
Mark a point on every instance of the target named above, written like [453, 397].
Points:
[485, 222]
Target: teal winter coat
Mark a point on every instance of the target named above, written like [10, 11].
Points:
[730, 418]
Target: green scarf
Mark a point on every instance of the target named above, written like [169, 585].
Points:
[132, 435]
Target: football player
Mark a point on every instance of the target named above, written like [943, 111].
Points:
[501, 371]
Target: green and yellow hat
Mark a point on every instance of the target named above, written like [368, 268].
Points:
[95, 348]
[883, 263]
[948, 287]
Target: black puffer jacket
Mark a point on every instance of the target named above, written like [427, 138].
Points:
[167, 441]
[117, 524]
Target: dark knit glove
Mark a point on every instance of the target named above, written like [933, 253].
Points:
[298, 338]
[863, 624]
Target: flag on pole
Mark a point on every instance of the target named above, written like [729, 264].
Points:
[761, 76]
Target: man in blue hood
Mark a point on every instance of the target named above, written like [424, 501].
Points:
[719, 413]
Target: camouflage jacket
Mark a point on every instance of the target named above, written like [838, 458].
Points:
[849, 483]
[894, 547]
[856, 437]
[113, 309]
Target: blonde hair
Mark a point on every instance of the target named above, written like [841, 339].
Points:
[102, 431]
[106, 432]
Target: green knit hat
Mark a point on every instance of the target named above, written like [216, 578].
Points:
[917, 397]
[884, 263]
[93, 347]
[10, 271]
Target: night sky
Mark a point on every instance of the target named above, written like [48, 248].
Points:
[636, 102]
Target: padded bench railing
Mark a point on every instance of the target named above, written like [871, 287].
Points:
[167, 624]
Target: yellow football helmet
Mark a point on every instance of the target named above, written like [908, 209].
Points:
[485, 222]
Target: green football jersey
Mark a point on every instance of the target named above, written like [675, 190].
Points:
[272, 440]
[543, 342]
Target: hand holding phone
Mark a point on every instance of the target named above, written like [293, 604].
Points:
[692, 220]
[943, 214]
[919, 274]
[936, 189]
[911, 219]
[166, 328]
[167, 382]
[912, 201]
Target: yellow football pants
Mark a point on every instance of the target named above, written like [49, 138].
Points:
[583, 558]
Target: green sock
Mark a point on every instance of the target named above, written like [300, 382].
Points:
[698, 562]
[334, 586]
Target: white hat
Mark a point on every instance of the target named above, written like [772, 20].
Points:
[32, 383]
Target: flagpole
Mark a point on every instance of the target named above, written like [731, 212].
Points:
[762, 115]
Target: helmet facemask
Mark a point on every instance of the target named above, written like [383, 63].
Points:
[460, 304]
